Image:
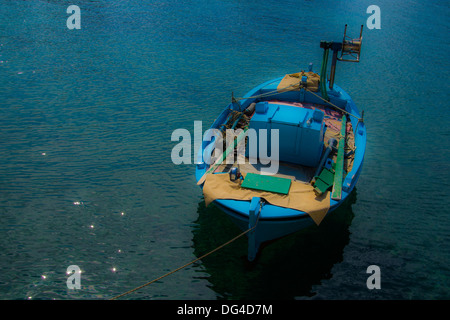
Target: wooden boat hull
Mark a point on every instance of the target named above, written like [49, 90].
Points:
[275, 221]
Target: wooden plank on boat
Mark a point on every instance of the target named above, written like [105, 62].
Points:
[339, 169]
[223, 157]
[266, 183]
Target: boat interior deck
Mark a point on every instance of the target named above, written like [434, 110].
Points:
[285, 170]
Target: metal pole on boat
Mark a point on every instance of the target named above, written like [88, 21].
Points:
[347, 47]
[335, 47]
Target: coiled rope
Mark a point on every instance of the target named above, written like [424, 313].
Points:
[193, 261]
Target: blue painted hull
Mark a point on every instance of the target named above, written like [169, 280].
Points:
[275, 222]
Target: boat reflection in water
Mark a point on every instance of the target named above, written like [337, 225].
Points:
[287, 268]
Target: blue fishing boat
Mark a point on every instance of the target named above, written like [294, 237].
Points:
[286, 154]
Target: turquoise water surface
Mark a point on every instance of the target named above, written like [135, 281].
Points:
[86, 176]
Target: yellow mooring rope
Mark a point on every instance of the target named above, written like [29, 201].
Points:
[193, 261]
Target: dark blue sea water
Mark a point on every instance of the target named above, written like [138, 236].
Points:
[86, 177]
